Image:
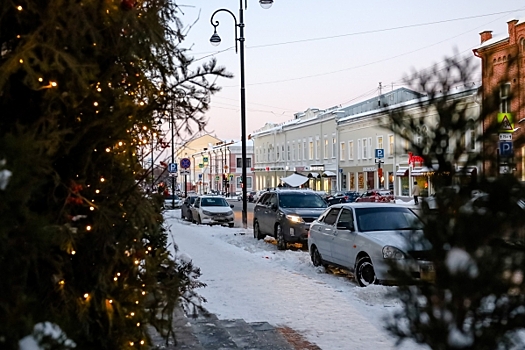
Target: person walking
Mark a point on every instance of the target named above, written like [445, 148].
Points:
[416, 191]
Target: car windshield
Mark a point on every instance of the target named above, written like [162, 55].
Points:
[301, 200]
[387, 219]
[214, 202]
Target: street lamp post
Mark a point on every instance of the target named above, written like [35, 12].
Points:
[215, 40]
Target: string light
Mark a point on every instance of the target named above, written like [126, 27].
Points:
[86, 296]
[111, 301]
[131, 343]
[137, 302]
[73, 252]
[91, 208]
[95, 104]
[142, 342]
[108, 150]
[132, 314]
[138, 324]
[40, 79]
[21, 61]
[118, 274]
[19, 8]
[120, 143]
[53, 84]
[88, 228]
[102, 179]
[143, 293]
[97, 191]
[115, 279]
[62, 282]
[136, 262]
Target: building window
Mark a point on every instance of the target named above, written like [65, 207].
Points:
[311, 153]
[305, 150]
[358, 149]
[504, 97]
[278, 154]
[351, 150]
[370, 153]
[390, 145]
[342, 151]
[288, 155]
[282, 152]
[334, 141]
[365, 150]
[248, 163]
[325, 155]
[380, 142]
[472, 140]
[293, 150]
[317, 148]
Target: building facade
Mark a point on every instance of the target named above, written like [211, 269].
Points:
[503, 80]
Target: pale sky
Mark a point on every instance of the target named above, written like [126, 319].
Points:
[304, 54]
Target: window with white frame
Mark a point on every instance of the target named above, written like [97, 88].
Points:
[504, 96]
[342, 151]
[305, 150]
[293, 150]
[351, 150]
[370, 152]
[380, 142]
[391, 145]
[317, 148]
[288, 152]
[311, 152]
[365, 150]
[283, 155]
[325, 150]
[278, 154]
[334, 144]
[358, 149]
[471, 140]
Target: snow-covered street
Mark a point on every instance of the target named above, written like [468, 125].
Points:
[252, 280]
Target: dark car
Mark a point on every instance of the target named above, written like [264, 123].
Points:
[376, 196]
[185, 209]
[342, 197]
[286, 215]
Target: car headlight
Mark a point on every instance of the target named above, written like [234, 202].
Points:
[229, 212]
[294, 218]
[205, 212]
[390, 252]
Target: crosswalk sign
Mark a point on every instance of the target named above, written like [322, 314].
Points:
[506, 122]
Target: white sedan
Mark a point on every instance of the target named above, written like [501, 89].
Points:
[367, 238]
[212, 210]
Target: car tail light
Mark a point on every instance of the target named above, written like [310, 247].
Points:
[346, 198]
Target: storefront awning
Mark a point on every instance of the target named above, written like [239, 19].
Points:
[329, 173]
[295, 180]
[402, 172]
[422, 171]
[314, 175]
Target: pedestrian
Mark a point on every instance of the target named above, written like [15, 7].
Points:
[416, 192]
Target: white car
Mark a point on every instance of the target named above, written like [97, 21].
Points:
[366, 238]
[172, 202]
[212, 210]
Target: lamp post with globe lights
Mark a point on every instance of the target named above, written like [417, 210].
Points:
[215, 40]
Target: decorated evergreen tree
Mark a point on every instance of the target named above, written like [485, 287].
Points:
[82, 247]
[476, 298]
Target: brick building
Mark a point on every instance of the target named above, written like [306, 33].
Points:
[503, 83]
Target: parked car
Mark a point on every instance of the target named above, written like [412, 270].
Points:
[172, 201]
[366, 237]
[258, 195]
[286, 215]
[376, 196]
[342, 197]
[185, 209]
[212, 210]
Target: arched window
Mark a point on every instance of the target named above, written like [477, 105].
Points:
[522, 44]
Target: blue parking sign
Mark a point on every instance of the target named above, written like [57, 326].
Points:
[172, 167]
[505, 148]
[380, 153]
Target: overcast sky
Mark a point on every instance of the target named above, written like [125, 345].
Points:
[304, 54]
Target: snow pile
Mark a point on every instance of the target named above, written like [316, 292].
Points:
[459, 261]
[46, 335]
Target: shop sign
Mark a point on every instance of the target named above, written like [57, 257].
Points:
[369, 168]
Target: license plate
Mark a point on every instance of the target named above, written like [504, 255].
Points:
[427, 272]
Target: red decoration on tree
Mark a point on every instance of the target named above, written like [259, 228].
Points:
[127, 4]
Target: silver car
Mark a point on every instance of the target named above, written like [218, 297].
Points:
[212, 210]
[366, 238]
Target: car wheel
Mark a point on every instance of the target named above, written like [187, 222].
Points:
[364, 272]
[316, 257]
[257, 230]
[279, 235]
[231, 225]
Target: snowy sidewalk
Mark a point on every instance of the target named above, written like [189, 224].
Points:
[245, 282]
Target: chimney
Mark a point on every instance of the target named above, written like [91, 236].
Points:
[512, 30]
[485, 35]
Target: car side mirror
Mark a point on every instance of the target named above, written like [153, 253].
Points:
[345, 225]
[231, 205]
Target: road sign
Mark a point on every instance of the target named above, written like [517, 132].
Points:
[173, 174]
[172, 167]
[200, 176]
[201, 166]
[185, 163]
[380, 153]
[217, 178]
[205, 159]
[505, 148]
[231, 177]
[505, 137]
[184, 172]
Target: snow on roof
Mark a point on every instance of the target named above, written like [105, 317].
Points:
[495, 39]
